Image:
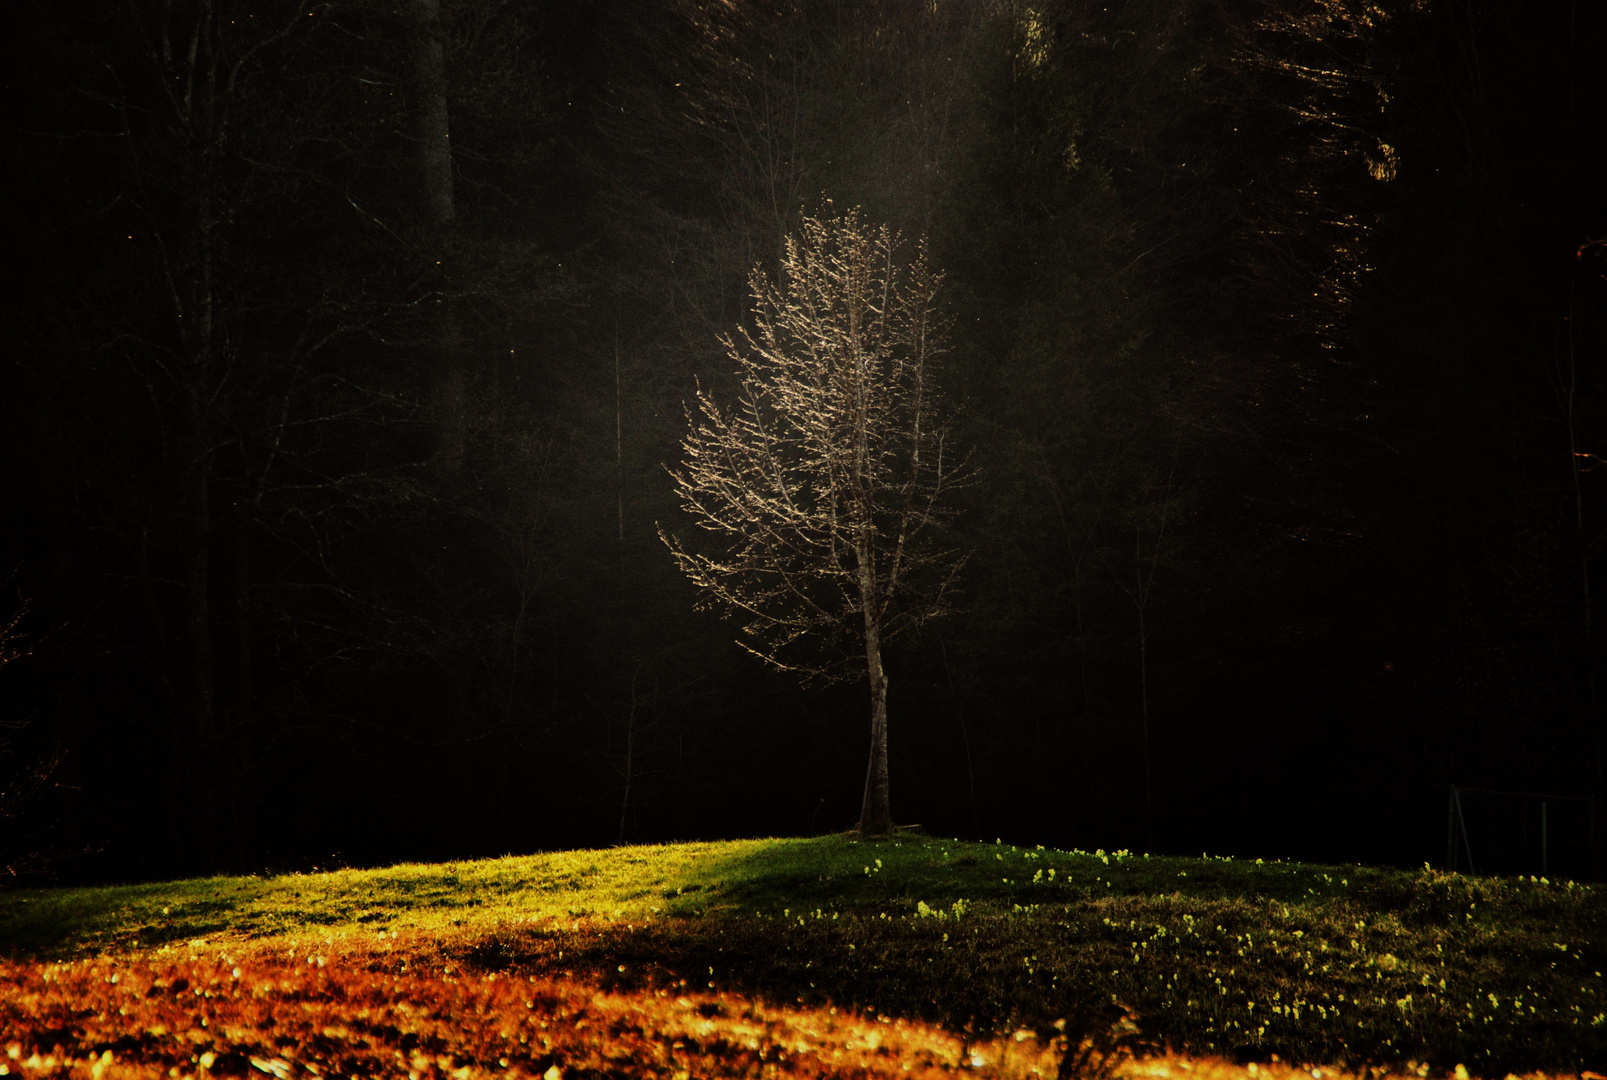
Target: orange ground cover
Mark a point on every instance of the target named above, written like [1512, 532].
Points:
[279, 1015]
[324, 1017]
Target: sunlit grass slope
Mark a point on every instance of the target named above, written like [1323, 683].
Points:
[1315, 963]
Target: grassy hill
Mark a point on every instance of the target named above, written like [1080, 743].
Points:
[1314, 963]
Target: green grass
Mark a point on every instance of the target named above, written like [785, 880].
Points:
[1315, 963]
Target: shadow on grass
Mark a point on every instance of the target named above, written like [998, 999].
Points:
[1323, 965]
[63, 922]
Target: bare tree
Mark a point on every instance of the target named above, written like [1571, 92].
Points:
[827, 480]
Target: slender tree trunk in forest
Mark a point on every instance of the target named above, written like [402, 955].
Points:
[244, 679]
[202, 704]
[1143, 585]
[1592, 710]
[440, 205]
[195, 315]
[1143, 714]
[435, 146]
[243, 674]
[451, 403]
[965, 738]
[199, 681]
[630, 765]
[620, 621]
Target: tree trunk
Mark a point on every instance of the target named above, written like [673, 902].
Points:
[201, 345]
[1143, 713]
[630, 766]
[876, 813]
[435, 146]
[202, 735]
[440, 207]
[239, 718]
[451, 397]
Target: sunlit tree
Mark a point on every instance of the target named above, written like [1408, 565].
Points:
[824, 483]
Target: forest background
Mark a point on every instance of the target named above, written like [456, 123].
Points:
[347, 344]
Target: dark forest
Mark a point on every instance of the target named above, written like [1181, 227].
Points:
[350, 347]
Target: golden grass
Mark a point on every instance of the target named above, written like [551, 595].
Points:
[448, 898]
